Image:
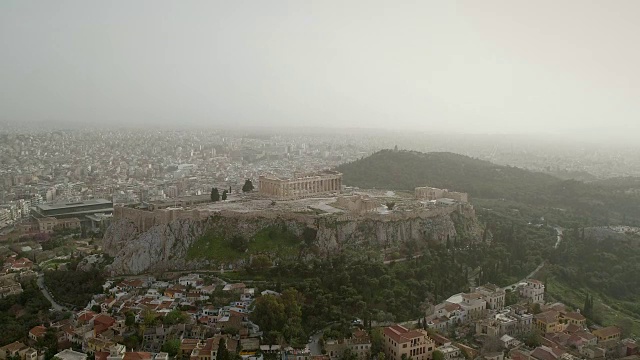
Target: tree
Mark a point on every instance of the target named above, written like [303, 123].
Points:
[248, 186]
[223, 353]
[174, 317]
[349, 355]
[438, 355]
[215, 195]
[171, 347]
[587, 310]
[390, 205]
[533, 339]
[224, 195]
[377, 341]
[96, 308]
[130, 319]
[259, 263]
[491, 344]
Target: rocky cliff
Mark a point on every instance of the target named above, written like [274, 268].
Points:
[145, 241]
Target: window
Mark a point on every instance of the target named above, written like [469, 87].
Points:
[404, 345]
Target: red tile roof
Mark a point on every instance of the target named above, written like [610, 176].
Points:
[401, 334]
[137, 355]
[38, 331]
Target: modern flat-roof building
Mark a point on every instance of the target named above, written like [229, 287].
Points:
[74, 209]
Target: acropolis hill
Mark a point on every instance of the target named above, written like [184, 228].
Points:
[202, 236]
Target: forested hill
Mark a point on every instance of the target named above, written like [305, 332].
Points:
[405, 170]
[601, 202]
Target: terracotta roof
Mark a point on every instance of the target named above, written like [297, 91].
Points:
[606, 332]
[546, 353]
[586, 335]
[574, 316]
[105, 320]
[452, 307]
[14, 346]
[137, 355]
[571, 328]
[38, 331]
[401, 334]
[101, 355]
[86, 316]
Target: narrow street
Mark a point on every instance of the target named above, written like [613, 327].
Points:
[45, 292]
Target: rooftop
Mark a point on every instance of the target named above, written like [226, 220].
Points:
[46, 207]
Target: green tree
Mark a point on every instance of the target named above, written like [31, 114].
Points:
[224, 195]
[175, 317]
[171, 347]
[215, 195]
[269, 313]
[533, 338]
[438, 355]
[377, 341]
[130, 319]
[349, 355]
[259, 263]
[248, 186]
[223, 353]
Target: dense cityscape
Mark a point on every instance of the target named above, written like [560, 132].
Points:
[319, 180]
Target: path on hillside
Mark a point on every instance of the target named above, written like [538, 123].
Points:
[387, 262]
[45, 292]
[559, 231]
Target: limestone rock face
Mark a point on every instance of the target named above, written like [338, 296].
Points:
[139, 243]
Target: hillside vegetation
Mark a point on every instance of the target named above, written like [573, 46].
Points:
[602, 202]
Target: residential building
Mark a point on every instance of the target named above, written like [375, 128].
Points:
[399, 341]
[533, 290]
[548, 322]
[574, 318]
[607, 334]
[492, 294]
[360, 344]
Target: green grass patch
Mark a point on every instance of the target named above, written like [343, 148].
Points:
[270, 240]
[213, 247]
[274, 239]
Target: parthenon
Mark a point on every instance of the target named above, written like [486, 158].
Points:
[299, 187]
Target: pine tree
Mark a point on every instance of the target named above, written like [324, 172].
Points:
[215, 195]
[248, 186]
[224, 195]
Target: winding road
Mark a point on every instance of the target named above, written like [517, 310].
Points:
[45, 292]
[559, 231]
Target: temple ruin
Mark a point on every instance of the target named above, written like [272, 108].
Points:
[301, 186]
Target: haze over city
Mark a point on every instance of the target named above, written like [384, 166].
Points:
[554, 67]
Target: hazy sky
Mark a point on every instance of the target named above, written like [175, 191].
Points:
[472, 66]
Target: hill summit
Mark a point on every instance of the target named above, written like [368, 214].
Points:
[405, 170]
[607, 202]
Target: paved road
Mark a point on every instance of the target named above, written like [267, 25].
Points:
[314, 345]
[46, 294]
